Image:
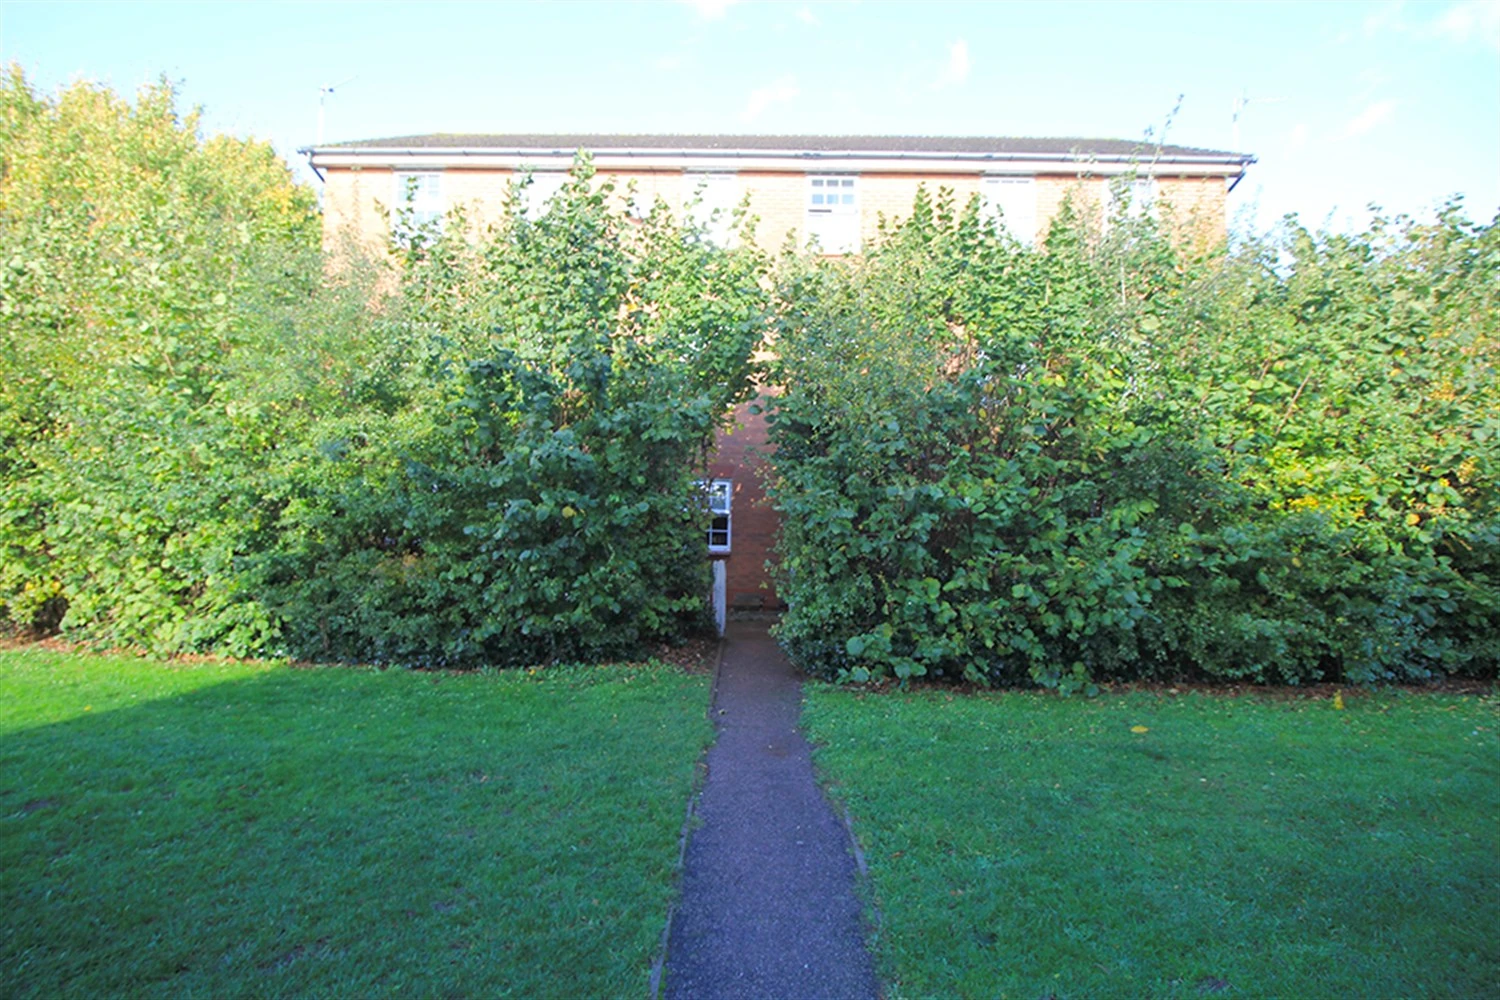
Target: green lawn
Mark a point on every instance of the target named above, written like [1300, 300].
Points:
[1026, 846]
[227, 829]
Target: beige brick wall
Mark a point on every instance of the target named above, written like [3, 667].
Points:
[350, 206]
[891, 195]
[1089, 196]
[1196, 206]
[778, 201]
[482, 193]
[352, 199]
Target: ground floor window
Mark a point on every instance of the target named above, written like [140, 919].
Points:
[833, 213]
[718, 492]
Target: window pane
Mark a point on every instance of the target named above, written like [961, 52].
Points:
[1013, 199]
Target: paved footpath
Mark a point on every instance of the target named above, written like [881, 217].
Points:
[768, 906]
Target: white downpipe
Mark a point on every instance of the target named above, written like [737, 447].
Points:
[720, 603]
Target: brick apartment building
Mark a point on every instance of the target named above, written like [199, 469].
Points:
[832, 189]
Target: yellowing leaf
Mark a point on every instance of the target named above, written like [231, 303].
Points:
[1140, 729]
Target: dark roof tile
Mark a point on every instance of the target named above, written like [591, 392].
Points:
[812, 143]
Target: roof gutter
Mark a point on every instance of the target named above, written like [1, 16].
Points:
[491, 152]
[832, 161]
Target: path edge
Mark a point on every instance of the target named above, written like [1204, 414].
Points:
[658, 966]
[875, 925]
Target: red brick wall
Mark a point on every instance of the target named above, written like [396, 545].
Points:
[739, 457]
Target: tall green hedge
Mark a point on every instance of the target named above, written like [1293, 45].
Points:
[1110, 457]
[477, 449]
[1107, 457]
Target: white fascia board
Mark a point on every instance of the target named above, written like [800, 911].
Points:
[774, 161]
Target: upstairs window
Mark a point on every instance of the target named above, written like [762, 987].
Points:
[418, 201]
[1138, 195]
[712, 198]
[718, 493]
[536, 190]
[637, 204]
[1013, 201]
[833, 213]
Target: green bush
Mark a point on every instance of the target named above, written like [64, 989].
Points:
[1111, 458]
[538, 503]
[139, 270]
[1108, 457]
[479, 450]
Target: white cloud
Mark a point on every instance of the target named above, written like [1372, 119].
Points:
[669, 64]
[761, 98]
[1472, 20]
[957, 69]
[1371, 117]
[1465, 22]
[711, 10]
[806, 16]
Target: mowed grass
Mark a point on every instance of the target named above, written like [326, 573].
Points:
[1021, 845]
[225, 829]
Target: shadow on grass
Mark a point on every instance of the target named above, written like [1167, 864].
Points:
[347, 831]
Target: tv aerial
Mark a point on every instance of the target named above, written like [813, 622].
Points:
[323, 94]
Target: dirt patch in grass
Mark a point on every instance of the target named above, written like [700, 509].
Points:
[1164, 689]
[696, 656]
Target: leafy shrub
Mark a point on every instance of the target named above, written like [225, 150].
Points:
[1112, 457]
[538, 503]
[480, 450]
[135, 295]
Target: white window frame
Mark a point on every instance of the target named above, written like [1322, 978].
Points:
[1011, 200]
[637, 204]
[417, 197]
[833, 223]
[718, 497]
[711, 200]
[1143, 193]
[535, 190]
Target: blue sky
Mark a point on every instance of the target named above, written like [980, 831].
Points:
[1349, 103]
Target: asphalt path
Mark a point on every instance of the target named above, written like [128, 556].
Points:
[768, 904]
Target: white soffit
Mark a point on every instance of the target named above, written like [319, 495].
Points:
[779, 162]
